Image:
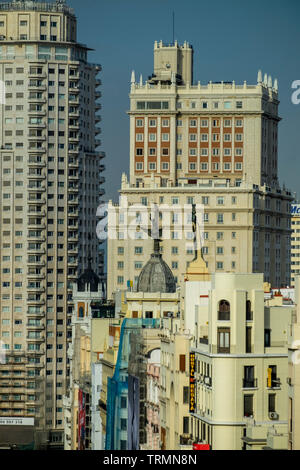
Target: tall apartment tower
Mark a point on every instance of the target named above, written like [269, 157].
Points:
[213, 144]
[50, 186]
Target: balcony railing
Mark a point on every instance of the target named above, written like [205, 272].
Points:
[249, 383]
[275, 383]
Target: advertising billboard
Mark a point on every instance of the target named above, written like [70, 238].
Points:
[295, 210]
[81, 420]
[192, 383]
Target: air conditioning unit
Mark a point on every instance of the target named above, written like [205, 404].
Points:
[2, 37]
[207, 381]
[273, 415]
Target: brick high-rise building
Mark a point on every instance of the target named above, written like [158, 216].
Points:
[50, 185]
[213, 144]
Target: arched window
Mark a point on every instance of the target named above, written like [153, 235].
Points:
[224, 310]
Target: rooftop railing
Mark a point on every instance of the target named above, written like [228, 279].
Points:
[31, 5]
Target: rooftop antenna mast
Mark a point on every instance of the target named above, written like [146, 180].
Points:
[173, 28]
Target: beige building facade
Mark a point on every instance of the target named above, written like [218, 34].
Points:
[293, 379]
[295, 242]
[213, 145]
[241, 364]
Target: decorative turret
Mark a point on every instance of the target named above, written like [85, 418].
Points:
[88, 279]
[156, 276]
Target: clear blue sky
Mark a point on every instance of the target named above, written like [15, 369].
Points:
[232, 39]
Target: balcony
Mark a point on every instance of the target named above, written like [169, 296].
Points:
[37, 339]
[74, 114]
[74, 90]
[35, 301]
[36, 226]
[275, 383]
[36, 149]
[32, 212]
[31, 326]
[38, 125]
[39, 100]
[36, 137]
[35, 74]
[36, 187]
[249, 383]
[40, 290]
[36, 313]
[75, 77]
[36, 87]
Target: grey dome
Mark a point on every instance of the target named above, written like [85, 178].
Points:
[156, 276]
[88, 277]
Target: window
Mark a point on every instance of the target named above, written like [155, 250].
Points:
[249, 313]
[248, 339]
[223, 340]
[220, 218]
[248, 405]
[185, 395]
[224, 310]
[186, 428]
[272, 381]
[182, 362]
[123, 424]
[272, 402]
[267, 338]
